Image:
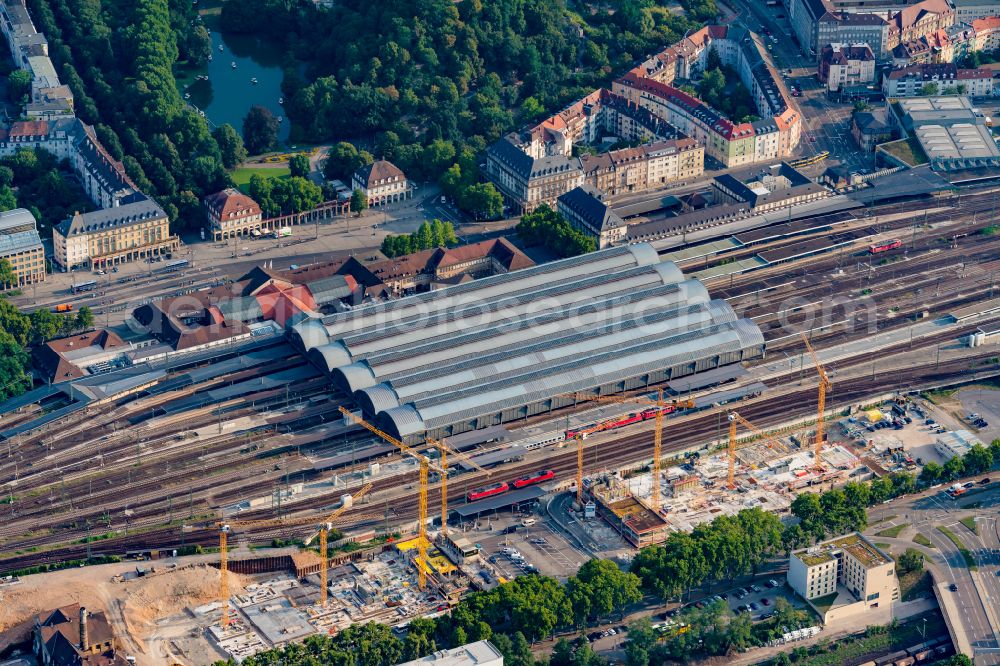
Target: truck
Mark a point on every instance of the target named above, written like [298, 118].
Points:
[283, 232]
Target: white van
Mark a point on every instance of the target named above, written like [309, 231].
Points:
[528, 522]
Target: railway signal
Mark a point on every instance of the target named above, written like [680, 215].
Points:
[225, 529]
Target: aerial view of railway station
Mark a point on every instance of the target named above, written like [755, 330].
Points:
[482, 332]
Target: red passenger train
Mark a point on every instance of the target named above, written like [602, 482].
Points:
[503, 486]
[885, 246]
[628, 419]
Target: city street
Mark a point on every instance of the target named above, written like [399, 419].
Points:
[975, 602]
[827, 122]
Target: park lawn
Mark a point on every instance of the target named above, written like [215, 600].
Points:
[241, 176]
[892, 532]
[923, 541]
[970, 522]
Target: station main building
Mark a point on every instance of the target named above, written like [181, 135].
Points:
[514, 345]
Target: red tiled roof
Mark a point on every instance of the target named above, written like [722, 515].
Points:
[231, 204]
[29, 128]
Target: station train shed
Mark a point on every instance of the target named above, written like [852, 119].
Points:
[513, 345]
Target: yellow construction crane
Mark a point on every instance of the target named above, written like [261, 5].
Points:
[443, 452]
[326, 524]
[425, 466]
[735, 418]
[824, 385]
[660, 404]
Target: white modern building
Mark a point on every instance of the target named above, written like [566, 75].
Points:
[849, 574]
[480, 653]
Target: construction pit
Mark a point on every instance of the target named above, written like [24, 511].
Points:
[767, 475]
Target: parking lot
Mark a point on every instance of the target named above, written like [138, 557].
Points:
[757, 599]
[525, 543]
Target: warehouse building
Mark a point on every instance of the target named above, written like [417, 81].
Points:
[511, 346]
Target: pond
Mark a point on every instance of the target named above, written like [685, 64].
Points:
[244, 73]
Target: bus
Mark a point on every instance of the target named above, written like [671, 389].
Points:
[84, 286]
[172, 266]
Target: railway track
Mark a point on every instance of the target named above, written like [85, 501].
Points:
[206, 476]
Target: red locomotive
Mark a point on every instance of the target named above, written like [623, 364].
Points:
[885, 246]
[531, 479]
[488, 491]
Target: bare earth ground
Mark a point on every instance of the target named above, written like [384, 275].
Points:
[132, 606]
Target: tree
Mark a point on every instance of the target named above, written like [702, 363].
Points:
[976, 460]
[482, 200]
[911, 560]
[544, 226]
[931, 473]
[20, 83]
[260, 130]
[607, 588]
[343, 160]
[230, 145]
[958, 660]
[8, 277]
[14, 378]
[8, 200]
[642, 638]
[84, 319]
[953, 468]
[299, 165]
[861, 105]
[929, 89]
[712, 60]
[359, 202]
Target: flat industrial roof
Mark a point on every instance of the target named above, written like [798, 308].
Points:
[510, 498]
[969, 311]
[707, 378]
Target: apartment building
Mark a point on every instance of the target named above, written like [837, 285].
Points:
[859, 575]
[967, 11]
[849, 28]
[585, 209]
[102, 177]
[48, 97]
[231, 213]
[884, 26]
[941, 79]
[137, 229]
[732, 143]
[527, 182]
[843, 66]
[22, 247]
[647, 167]
[987, 33]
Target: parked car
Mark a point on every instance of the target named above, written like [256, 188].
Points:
[755, 587]
[766, 602]
[754, 606]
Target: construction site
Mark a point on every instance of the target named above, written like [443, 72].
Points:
[364, 464]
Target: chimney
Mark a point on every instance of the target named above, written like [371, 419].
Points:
[84, 638]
